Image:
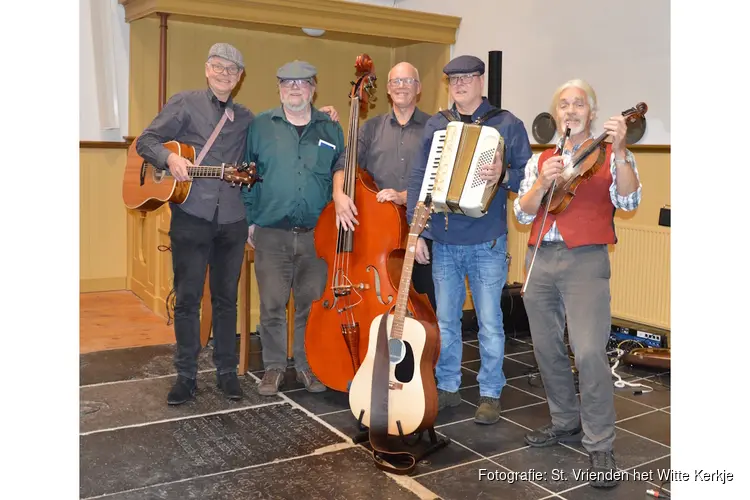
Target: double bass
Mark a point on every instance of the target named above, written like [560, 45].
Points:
[364, 265]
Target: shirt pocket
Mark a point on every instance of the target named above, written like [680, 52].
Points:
[325, 158]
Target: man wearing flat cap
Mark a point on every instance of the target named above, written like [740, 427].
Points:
[209, 228]
[477, 247]
[294, 147]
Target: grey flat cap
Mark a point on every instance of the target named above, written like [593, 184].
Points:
[296, 70]
[228, 52]
[464, 64]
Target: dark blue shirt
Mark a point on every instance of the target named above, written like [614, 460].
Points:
[464, 230]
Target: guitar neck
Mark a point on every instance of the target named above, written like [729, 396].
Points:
[397, 329]
[206, 171]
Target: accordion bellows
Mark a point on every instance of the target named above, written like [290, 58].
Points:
[456, 158]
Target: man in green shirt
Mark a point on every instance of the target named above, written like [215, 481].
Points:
[295, 147]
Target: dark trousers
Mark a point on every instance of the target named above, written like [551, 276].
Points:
[573, 285]
[421, 277]
[286, 261]
[197, 243]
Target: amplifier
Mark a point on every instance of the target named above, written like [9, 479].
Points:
[515, 321]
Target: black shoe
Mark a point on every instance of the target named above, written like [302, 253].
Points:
[550, 435]
[603, 471]
[182, 391]
[230, 385]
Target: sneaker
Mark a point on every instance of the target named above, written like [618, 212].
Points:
[448, 399]
[183, 390]
[488, 411]
[230, 385]
[312, 384]
[550, 435]
[603, 471]
[271, 382]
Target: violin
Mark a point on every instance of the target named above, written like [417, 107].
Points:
[584, 165]
[364, 266]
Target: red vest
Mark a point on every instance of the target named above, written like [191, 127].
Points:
[589, 218]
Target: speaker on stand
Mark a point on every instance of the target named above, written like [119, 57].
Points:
[495, 78]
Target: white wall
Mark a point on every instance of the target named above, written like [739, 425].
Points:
[621, 48]
[103, 71]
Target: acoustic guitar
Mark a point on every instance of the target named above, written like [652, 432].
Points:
[146, 187]
[395, 380]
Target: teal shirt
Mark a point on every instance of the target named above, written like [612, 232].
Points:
[296, 169]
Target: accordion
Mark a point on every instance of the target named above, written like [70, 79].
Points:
[456, 158]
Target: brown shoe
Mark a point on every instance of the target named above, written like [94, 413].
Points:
[488, 411]
[312, 384]
[271, 382]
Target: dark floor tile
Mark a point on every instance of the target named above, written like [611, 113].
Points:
[133, 363]
[629, 488]
[532, 384]
[468, 376]
[654, 426]
[626, 408]
[142, 401]
[469, 353]
[320, 402]
[531, 417]
[348, 473]
[510, 397]
[631, 450]
[486, 439]
[637, 370]
[666, 410]
[464, 482]
[513, 346]
[451, 415]
[557, 465]
[136, 457]
[656, 472]
[513, 369]
[526, 358]
[658, 398]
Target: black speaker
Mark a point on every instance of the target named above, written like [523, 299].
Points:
[495, 78]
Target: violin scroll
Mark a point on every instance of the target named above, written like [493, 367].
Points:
[364, 85]
[636, 112]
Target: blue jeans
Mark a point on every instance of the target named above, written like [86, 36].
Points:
[487, 268]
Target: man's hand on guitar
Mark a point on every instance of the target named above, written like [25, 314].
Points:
[422, 254]
[178, 167]
[345, 211]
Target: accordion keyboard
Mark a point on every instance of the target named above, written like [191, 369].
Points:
[433, 160]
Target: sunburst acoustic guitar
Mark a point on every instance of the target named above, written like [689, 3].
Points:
[146, 187]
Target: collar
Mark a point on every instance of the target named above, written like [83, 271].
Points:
[483, 108]
[315, 114]
[418, 117]
[215, 100]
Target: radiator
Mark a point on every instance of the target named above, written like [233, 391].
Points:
[640, 283]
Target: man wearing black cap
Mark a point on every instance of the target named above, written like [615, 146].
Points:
[294, 147]
[476, 247]
[209, 227]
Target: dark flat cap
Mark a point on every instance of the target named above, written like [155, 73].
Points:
[464, 64]
[296, 70]
[228, 52]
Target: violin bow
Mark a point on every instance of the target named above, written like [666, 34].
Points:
[544, 219]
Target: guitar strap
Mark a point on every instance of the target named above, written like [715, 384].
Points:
[228, 113]
[379, 409]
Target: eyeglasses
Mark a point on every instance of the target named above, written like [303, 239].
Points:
[219, 69]
[300, 83]
[395, 82]
[461, 78]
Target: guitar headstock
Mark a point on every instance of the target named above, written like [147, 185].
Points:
[246, 174]
[421, 215]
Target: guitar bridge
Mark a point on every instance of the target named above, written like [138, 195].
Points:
[395, 386]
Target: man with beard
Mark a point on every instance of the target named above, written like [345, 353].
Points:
[570, 279]
[476, 247]
[294, 147]
[386, 146]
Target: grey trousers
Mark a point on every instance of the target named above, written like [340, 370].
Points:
[573, 284]
[286, 261]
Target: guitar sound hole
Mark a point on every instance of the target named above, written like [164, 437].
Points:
[404, 371]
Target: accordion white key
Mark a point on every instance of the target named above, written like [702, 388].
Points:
[452, 173]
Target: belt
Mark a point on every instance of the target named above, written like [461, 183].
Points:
[297, 229]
